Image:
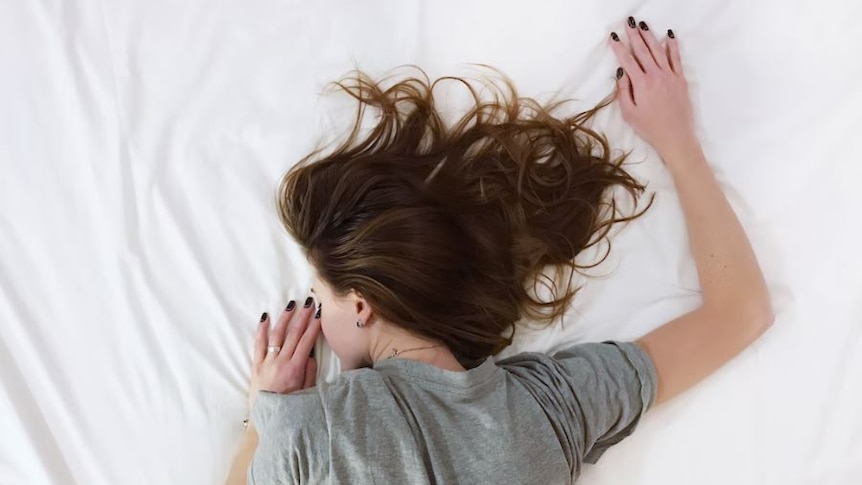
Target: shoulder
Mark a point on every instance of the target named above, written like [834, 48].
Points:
[594, 393]
[294, 432]
[274, 410]
[593, 374]
[297, 431]
[274, 415]
[584, 358]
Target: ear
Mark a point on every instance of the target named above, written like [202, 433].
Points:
[361, 306]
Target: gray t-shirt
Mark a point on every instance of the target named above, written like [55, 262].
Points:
[529, 418]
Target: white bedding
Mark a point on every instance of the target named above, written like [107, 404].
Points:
[141, 143]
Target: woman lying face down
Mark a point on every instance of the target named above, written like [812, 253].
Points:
[429, 241]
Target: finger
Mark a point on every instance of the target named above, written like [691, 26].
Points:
[673, 55]
[276, 334]
[641, 51]
[653, 45]
[624, 93]
[310, 374]
[260, 339]
[306, 343]
[626, 60]
[295, 330]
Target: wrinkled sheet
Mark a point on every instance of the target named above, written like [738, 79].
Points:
[141, 143]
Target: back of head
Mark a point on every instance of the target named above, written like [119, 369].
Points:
[443, 229]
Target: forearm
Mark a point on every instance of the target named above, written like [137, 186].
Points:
[730, 277]
[239, 469]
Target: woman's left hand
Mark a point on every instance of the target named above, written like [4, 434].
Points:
[287, 368]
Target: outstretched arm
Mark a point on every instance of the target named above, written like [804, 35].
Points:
[736, 309]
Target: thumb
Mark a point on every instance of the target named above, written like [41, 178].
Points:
[310, 373]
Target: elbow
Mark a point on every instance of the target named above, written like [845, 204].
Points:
[760, 318]
[752, 319]
[769, 319]
[757, 313]
[767, 314]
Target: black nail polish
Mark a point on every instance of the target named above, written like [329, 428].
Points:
[308, 302]
[643, 25]
[632, 22]
[670, 34]
[290, 305]
[262, 317]
[619, 72]
[615, 37]
[317, 314]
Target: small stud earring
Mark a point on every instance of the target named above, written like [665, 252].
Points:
[359, 323]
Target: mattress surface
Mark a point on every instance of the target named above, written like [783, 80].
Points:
[141, 143]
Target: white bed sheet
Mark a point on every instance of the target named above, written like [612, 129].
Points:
[141, 143]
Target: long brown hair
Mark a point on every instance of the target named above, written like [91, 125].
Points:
[444, 228]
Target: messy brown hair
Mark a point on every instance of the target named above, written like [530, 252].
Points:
[443, 229]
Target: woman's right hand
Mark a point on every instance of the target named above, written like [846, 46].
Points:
[281, 362]
[652, 90]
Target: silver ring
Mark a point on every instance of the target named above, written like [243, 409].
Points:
[272, 349]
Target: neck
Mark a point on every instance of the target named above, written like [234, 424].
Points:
[408, 347]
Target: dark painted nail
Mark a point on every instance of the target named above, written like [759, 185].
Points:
[619, 72]
[317, 314]
[670, 34]
[290, 305]
[615, 36]
[262, 317]
[643, 25]
[632, 22]
[308, 302]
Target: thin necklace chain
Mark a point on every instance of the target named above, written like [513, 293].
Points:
[398, 352]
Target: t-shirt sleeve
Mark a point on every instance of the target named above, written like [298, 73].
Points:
[292, 439]
[615, 384]
[593, 393]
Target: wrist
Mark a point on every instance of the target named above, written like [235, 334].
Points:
[683, 154]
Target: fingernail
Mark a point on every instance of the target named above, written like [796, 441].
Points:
[619, 72]
[643, 25]
[615, 36]
[632, 23]
[670, 34]
[262, 317]
[317, 314]
[308, 302]
[290, 305]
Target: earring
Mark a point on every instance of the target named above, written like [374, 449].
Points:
[359, 323]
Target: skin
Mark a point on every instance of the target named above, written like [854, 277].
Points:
[291, 369]
[375, 340]
[653, 98]
[736, 309]
[285, 371]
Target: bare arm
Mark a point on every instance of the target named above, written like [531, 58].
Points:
[736, 309]
[239, 469]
